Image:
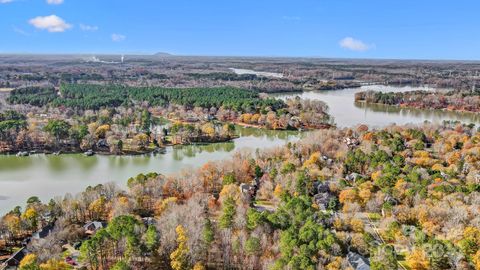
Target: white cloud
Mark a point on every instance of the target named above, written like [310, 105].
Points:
[352, 44]
[118, 37]
[5, 1]
[89, 28]
[55, 2]
[50, 23]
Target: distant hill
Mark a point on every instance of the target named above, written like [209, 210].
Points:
[163, 54]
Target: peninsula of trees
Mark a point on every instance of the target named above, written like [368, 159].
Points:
[122, 119]
[463, 101]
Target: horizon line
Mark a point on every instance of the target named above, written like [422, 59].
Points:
[173, 55]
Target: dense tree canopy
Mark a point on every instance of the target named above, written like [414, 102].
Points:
[89, 96]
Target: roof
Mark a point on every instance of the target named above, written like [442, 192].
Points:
[44, 232]
[357, 261]
[97, 225]
[16, 257]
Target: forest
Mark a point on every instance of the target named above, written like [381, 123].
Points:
[398, 197]
[11, 122]
[94, 97]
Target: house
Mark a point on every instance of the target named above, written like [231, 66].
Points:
[351, 142]
[15, 259]
[322, 200]
[44, 232]
[390, 199]
[477, 178]
[102, 143]
[357, 261]
[147, 221]
[210, 117]
[322, 187]
[247, 189]
[93, 226]
[294, 121]
[353, 177]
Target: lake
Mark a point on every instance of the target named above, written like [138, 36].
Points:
[346, 112]
[47, 176]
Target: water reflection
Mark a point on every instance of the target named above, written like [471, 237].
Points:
[19, 164]
[47, 176]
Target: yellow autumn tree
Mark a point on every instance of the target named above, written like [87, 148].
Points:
[54, 264]
[246, 117]
[13, 223]
[357, 225]
[313, 160]
[254, 119]
[348, 195]
[278, 191]
[400, 187]
[31, 216]
[92, 127]
[453, 157]
[199, 266]
[123, 200]
[163, 205]
[141, 140]
[476, 260]
[208, 129]
[98, 208]
[335, 264]
[365, 191]
[418, 260]
[101, 131]
[28, 262]
[179, 257]
[230, 191]
[472, 233]
[375, 175]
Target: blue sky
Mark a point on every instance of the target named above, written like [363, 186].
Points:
[407, 29]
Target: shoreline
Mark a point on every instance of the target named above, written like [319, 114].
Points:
[158, 150]
[406, 106]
